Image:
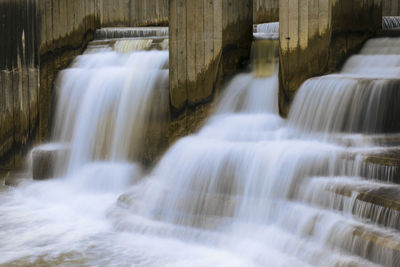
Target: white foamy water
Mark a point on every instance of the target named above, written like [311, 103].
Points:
[121, 32]
[267, 30]
[362, 98]
[104, 102]
[249, 189]
[391, 22]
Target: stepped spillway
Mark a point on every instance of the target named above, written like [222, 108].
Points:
[249, 189]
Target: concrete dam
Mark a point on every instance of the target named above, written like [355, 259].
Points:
[199, 133]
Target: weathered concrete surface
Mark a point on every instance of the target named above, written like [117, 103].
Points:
[39, 38]
[65, 27]
[208, 40]
[133, 12]
[265, 11]
[391, 8]
[316, 36]
[18, 78]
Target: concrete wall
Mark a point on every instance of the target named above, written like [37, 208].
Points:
[207, 39]
[316, 36]
[18, 77]
[39, 38]
[265, 11]
[136, 12]
[391, 7]
[65, 27]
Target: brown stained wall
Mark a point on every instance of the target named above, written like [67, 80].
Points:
[208, 40]
[265, 11]
[65, 27]
[391, 7]
[136, 12]
[204, 37]
[316, 36]
[18, 77]
[40, 38]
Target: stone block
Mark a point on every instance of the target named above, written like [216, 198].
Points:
[49, 161]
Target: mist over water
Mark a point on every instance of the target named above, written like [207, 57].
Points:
[249, 189]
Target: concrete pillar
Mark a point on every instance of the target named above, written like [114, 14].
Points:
[265, 11]
[208, 39]
[18, 78]
[391, 8]
[316, 36]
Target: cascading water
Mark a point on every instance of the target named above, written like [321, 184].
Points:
[275, 192]
[267, 30]
[250, 189]
[105, 100]
[391, 22]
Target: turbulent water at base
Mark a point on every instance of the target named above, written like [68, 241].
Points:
[249, 189]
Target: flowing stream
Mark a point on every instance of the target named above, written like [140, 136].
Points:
[249, 189]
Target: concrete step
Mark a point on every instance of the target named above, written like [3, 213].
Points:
[132, 32]
[335, 230]
[13, 178]
[125, 45]
[356, 140]
[388, 33]
[368, 201]
[48, 160]
[381, 165]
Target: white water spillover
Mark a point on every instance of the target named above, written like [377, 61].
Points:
[249, 189]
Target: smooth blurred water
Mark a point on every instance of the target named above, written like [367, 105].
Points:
[249, 189]
[105, 101]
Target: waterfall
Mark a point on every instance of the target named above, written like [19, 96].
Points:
[249, 189]
[391, 22]
[363, 97]
[302, 190]
[272, 27]
[105, 100]
[267, 30]
[120, 32]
